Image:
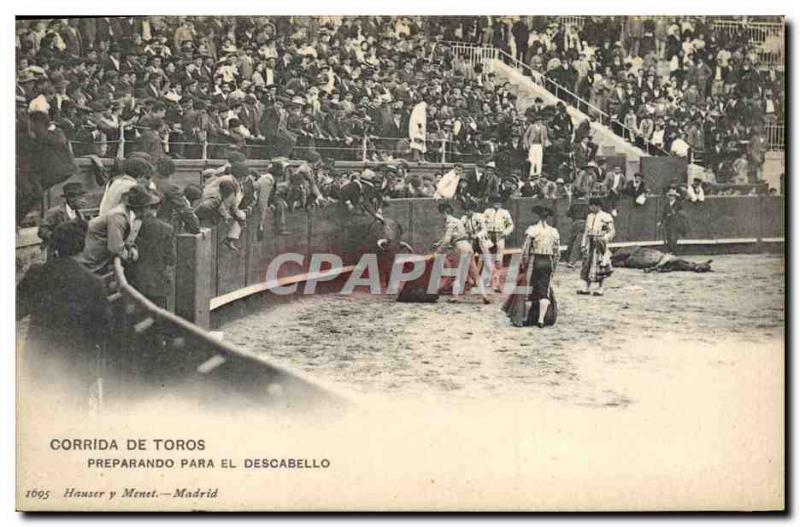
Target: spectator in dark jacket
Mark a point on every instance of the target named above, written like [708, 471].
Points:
[150, 142]
[636, 188]
[70, 210]
[152, 274]
[70, 314]
[174, 207]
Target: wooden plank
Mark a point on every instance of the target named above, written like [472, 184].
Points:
[222, 300]
[193, 280]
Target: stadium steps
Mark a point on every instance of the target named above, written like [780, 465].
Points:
[609, 143]
[527, 91]
[774, 168]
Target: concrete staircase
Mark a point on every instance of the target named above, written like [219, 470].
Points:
[527, 91]
[774, 168]
[610, 143]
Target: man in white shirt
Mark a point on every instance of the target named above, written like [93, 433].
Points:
[679, 148]
[695, 191]
[136, 170]
[499, 226]
[114, 233]
[615, 183]
[455, 237]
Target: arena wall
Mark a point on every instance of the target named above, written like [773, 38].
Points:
[210, 276]
[745, 220]
[659, 172]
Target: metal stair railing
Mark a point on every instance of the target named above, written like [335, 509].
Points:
[768, 39]
[469, 51]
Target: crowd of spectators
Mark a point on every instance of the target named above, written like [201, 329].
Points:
[678, 84]
[366, 88]
[273, 86]
[387, 90]
[391, 90]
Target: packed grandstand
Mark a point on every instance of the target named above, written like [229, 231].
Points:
[404, 89]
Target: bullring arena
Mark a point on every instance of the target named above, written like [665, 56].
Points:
[369, 343]
[374, 345]
[195, 194]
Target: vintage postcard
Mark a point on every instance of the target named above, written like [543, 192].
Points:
[400, 263]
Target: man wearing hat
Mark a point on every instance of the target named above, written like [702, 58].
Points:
[274, 127]
[584, 151]
[673, 221]
[175, 208]
[562, 191]
[114, 233]
[216, 207]
[69, 314]
[586, 179]
[636, 189]
[482, 182]
[598, 233]
[615, 183]
[249, 113]
[136, 170]
[359, 190]
[695, 192]
[499, 226]
[268, 198]
[561, 123]
[70, 210]
[150, 141]
[153, 272]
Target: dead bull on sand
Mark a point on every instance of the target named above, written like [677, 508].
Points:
[649, 260]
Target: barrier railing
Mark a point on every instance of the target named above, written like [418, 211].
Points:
[571, 20]
[335, 230]
[775, 136]
[469, 52]
[475, 54]
[367, 148]
[766, 37]
[153, 345]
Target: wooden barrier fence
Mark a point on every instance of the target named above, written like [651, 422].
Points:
[218, 276]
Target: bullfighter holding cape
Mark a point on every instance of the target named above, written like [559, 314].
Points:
[540, 253]
[597, 235]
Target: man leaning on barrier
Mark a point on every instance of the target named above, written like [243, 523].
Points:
[174, 208]
[114, 233]
[220, 203]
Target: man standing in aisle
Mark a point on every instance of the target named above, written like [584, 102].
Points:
[534, 141]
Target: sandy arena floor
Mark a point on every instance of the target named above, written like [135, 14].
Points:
[658, 324]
